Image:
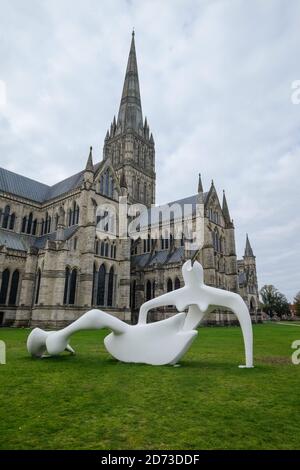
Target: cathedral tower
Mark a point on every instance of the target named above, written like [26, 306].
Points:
[129, 144]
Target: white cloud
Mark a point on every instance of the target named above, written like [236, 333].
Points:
[215, 79]
[2, 95]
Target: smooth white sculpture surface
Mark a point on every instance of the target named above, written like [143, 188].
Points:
[162, 342]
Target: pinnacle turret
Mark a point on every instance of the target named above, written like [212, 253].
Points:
[248, 249]
[89, 164]
[200, 186]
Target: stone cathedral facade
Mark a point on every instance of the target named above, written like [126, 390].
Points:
[53, 265]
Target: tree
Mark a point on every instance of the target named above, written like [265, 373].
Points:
[297, 304]
[274, 302]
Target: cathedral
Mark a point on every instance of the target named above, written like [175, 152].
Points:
[57, 258]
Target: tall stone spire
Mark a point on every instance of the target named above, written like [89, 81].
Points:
[130, 112]
[248, 249]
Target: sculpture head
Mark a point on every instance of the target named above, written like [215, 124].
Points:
[192, 273]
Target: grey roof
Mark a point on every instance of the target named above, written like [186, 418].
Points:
[22, 242]
[40, 242]
[34, 190]
[15, 241]
[177, 255]
[22, 186]
[161, 257]
[185, 206]
[65, 186]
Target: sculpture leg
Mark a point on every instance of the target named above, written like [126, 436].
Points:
[55, 342]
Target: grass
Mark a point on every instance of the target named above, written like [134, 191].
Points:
[91, 401]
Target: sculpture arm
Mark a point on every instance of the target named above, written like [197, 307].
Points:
[170, 298]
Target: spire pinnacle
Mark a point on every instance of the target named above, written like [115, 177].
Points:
[89, 164]
[200, 186]
[248, 248]
[130, 112]
[225, 211]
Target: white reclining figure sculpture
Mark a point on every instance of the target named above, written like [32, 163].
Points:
[162, 342]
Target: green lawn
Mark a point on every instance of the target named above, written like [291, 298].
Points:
[91, 401]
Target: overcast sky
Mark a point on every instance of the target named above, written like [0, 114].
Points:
[215, 80]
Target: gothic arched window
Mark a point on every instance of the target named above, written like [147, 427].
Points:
[42, 227]
[34, 226]
[166, 241]
[132, 296]
[153, 289]
[142, 159]
[73, 282]
[101, 285]
[4, 286]
[74, 213]
[106, 250]
[177, 283]
[148, 290]
[69, 217]
[111, 186]
[67, 282]
[106, 183]
[14, 288]
[47, 226]
[12, 221]
[6, 217]
[77, 214]
[24, 221]
[182, 240]
[110, 290]
[148, 243]
[102, 249]
[95, 276]
[38, 285]
[29, 224]
[169, 285]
